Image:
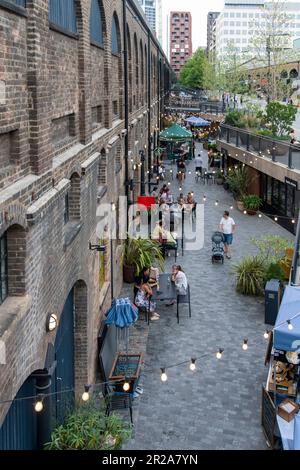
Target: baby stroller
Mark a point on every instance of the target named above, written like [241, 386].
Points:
[217, 247]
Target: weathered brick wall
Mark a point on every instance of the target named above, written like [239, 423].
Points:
[64, 76]
[14, 102]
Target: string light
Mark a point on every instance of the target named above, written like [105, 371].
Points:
[86, 396]
[276, 219]
[204, 198]
[245, 345]
[126, 385]
[245, 212]
[219, 354]
[290, 326]
[293, 221]
[38, 407]
[163, 376]
[216, 203]
[260, 216]
[266, 334]
[193, 364]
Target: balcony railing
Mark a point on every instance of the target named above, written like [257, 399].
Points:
[202, 107]
[265, 147]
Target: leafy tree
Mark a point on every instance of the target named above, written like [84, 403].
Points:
[280, 117]
[270, 43]
[192, 74]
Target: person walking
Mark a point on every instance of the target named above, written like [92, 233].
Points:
[227, 227]
[198, 163]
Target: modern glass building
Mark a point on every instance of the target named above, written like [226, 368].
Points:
[149, 7]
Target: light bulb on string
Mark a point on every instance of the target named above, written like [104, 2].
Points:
[193, 364]
[219, 354]
[38, 406]
[290, 326]
[163, 376]
[260, 216]
[293, 221]
[266, 334]
[204, 198]
[180, 188]
[126, 385]
[216, 203]
[276, 219]
[86, 396]
[231, 208]
[245, 345]
[245, 212]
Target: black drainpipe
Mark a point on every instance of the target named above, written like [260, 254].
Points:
[149, 111]
[126, 111]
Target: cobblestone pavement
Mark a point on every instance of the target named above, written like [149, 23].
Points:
[218, 405]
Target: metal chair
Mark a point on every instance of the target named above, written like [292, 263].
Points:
[184, 299]
[119, 402]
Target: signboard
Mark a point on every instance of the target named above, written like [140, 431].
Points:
[292, 183]
[268, 416]
[145, 202]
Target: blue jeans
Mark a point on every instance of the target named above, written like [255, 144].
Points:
[228, 238]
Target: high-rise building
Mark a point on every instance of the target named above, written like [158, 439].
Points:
[180, 39]
[240, 20]
[159, 21]
[211, 31]
[149, 7]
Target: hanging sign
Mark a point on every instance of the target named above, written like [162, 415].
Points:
[292, 183]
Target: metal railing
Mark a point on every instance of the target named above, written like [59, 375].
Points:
[265, 147]
[196, 106]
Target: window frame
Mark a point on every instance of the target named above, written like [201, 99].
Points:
[3, 277]
[61, 28]
[114, 24]
[93, 41]
[12, 7]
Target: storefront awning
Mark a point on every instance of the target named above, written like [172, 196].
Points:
[284, 338]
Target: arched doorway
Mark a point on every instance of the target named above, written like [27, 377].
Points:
[64, 375]
[19, 430]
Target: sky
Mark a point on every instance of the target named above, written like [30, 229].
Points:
[199, 10]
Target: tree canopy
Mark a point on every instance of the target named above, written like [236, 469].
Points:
[192, 73]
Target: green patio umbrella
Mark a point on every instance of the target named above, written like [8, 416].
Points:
[176, 134]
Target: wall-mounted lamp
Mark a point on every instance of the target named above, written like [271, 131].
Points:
[51, 322]
[101, 248]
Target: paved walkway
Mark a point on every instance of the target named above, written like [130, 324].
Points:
[218, 405]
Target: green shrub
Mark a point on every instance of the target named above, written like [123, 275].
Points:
[142, 252]
[272, 247]
[252, 202]
[274, 271]
[237, 180]
[87, 428]
[250, 275]
[235, 118]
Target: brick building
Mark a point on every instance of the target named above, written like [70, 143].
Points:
[78, 100]
[180, 39]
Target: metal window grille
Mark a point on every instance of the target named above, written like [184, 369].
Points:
[96, 30]
[114, 37]
[63, 13]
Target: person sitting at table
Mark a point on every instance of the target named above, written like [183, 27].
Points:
[163, 190]
[164, 237]
[179, 278]
[142, 298]
[181, 200]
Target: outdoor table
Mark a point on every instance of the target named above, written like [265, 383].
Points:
[167, 290]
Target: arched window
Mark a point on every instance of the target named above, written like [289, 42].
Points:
[115, 49]
[96, 29]
[62, 13]
[3, 268]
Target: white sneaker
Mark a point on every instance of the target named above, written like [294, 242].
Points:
[153, 318]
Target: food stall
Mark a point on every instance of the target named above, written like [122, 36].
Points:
[177, 141]
[281, 396]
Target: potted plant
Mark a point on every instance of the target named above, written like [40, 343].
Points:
[219, 177]
[250, 275]
[139, 253]
[237, 180]
[88, 428]
[252, 203]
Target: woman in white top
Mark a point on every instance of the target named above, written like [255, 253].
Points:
[227, 227]
[180, 280]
